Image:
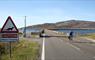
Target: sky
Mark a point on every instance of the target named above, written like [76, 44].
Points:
[46, 11]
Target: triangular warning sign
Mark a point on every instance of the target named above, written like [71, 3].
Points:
[9, 26]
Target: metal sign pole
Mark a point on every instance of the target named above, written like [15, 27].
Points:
[10, 50]
[0, 54]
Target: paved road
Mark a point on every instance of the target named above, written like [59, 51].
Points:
[58, 48]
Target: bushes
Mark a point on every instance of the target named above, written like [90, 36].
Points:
[20, 33]
[4, 48]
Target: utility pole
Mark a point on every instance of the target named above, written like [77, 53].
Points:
[25, 27]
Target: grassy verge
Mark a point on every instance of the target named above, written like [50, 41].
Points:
[24, 50]
[92, 36]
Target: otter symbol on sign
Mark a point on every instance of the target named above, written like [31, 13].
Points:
[10, 28]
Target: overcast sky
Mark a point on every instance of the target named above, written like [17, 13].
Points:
[46, 11]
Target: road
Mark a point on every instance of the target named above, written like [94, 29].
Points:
[59, 48]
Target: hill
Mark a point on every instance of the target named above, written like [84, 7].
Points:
[64, 24]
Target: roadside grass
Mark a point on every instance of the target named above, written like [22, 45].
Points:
[92, 36]
[34, 36]
[24, 50]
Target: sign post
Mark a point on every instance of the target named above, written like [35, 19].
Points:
[9, 33]
[10, 50]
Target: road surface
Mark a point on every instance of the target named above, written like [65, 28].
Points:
[59, 48]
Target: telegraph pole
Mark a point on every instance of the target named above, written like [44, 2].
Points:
[25, 27]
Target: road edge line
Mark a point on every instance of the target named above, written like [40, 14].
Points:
[43, 48]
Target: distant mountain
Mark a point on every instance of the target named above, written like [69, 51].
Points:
[64, 24]
[76, 24]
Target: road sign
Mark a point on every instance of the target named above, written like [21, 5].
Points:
[9, 31]
[9, 26]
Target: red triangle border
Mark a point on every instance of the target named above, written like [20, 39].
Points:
[5, 25]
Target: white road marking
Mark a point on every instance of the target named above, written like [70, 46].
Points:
[74, 47]
[43, 49]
